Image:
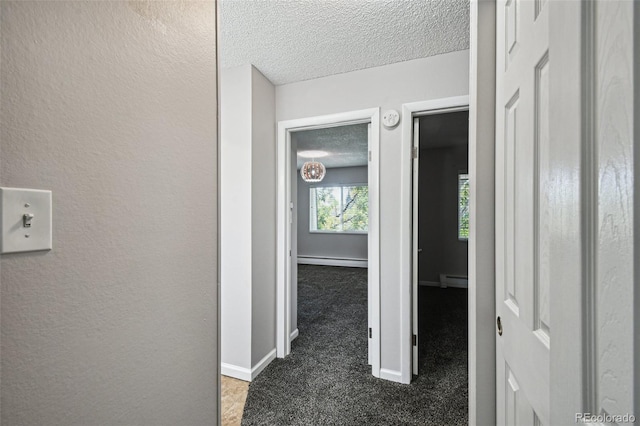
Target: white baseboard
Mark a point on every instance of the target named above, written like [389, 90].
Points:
[333, 261]
[257, 369]
[392, 375]
[294, 334]
[235, 372]
[245, 374]
[437, 284]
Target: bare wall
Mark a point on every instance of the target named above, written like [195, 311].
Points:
[442, 251]
[263, 269]
[248, 286]
[347, 246]
[112, 106]
[235, 216]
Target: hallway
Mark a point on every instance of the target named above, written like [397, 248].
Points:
[326, 379]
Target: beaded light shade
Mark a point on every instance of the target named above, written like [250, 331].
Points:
[312, 171]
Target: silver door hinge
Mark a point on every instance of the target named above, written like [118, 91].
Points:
[414, 152]
[289, 253]
[369, 155]
[369, 332]
[414, 340]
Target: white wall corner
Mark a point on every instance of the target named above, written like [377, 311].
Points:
[262, 364]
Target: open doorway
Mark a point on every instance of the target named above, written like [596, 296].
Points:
[329, 243]
[440, 239]
[333, 222]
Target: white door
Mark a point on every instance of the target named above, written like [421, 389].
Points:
[414, 261]
[523, 218]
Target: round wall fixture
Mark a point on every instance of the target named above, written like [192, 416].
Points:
[390, 118]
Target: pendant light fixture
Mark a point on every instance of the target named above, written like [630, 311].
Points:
[312, 171]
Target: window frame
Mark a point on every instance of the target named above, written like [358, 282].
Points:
[341, 186]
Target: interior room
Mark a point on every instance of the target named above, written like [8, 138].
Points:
[443, 233]
[146, 209]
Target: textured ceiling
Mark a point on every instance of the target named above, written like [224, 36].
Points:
[295, 40]
[346, 145]
[442, 130]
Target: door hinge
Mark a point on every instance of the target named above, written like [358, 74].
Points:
[369, 332]
[414, 152]
[414, 340]
[289, 253]
[369, 155]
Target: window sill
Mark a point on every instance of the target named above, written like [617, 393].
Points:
[340, 232]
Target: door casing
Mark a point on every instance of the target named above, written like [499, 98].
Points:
[408, 320]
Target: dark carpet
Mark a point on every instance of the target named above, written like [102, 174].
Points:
[326, 379]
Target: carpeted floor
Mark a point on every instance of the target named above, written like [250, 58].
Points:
[326, 379]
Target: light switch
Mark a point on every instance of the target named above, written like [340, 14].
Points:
[26, 220]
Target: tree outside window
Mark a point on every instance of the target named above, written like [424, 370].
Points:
[343, 208]
[463, 206]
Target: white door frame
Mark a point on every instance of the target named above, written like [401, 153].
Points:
[481, 293]
[409, 111]
[417, 110]
[283, 258]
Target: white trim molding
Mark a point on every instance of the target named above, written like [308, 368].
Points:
[236, 372]
[391, 375]
[294, 334]
[409, 111]
[332, 261]
[262, 364]
[245, 374]
[283, 229]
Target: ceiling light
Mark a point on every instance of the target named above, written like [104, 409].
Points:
[312, 154]
[312, 171]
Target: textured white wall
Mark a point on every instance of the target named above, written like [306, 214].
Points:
[350, 246]
[112, 106]
[235, 216]
[247, 191]
[387, 87]
[263, 245]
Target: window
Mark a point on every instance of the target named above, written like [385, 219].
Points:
[463, 206]
[343, 208]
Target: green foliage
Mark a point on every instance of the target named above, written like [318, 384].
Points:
[355, 210]
[463, 206]
[340, 209]
[328, 205]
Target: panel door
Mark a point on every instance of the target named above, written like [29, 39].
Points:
[522, 214]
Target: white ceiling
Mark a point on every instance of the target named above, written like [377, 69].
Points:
[346, 145]
[295, 40]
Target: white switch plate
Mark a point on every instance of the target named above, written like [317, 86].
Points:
[14, 204]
